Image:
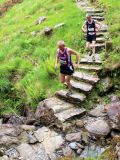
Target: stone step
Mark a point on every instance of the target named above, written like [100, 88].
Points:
[57, 105]
[74, 98]
[98, 18]
[93, 10]
[88, 59]
[90, 67]
[99, 47]
[100, 40]
[70, 113]
[86, 77]
[97, 14]
[81, 86]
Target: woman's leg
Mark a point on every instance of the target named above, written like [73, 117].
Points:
[62, 78]
[67, 80]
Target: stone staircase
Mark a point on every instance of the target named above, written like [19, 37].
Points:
[83, 80]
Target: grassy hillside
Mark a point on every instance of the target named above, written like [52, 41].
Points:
[112, 13]
[26, 62]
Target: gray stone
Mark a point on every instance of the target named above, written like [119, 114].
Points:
[46, 31]
[79, 123]
[4, 158]
[59, 25]
[10, 130]
[1, 121]
[98, 111]
[31, 138]
[67, 151]
[8, 140]
[113, 112]
[73, 137]
[79, 151]
[2, 151]
[74, 146]
[98, 128]
[28, 127]
[12, 153]
[35, 152]
[49, 139]
[33, 33]
[114, 98]
[40, 20]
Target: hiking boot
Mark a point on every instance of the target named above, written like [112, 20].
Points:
[90, 53]
[69, 93]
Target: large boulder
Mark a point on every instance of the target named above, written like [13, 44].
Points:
[113, 112]
[98, 127]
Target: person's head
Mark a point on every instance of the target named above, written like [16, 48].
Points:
[61, 45]
[89, 17]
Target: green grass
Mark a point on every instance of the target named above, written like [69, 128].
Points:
[112, 14]
[27, 73]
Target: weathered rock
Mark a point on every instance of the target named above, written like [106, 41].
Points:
[2, 151]
[73, 137]
[67, 127]
[74, 146]
[105, 85]
[49, 139]
[79, 123]
[33, 33]
[114, 98]
[10, 130]
[31, 138]
[79, 151]
[28, 127]
[46, 31]
[67, 151]
[1, 121]
[85, 137]
[113, 112]
[12, 153]
[4, 158]
[8, 140]
[23, 137]
[59, 25]
[98, 128]
[40, 20]
[16, 120]
[98, 111]
[32, 152]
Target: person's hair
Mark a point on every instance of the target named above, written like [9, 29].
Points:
[88, 15]
[61, 43]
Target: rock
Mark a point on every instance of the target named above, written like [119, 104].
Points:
[8, 140]
[59, 25]
[67, 151]
[74, 146]
[1, 121]
[49, 139]
[10, 130]
[98, 111]
[35, 152]
[31, 138]
[114, 98]
[4, 158]
[79, 123]
[28, 127]
[45, 115]
[118, 151]
[2, 151]
[67, 127]
[16, 120]
[46, 31]
[79, 151]
[12, 153]
[85, 137]
[73, 137]
[40, 20]
[105, 85]
[98, 128]
[113, 112]
[33, 33]
[115, 133]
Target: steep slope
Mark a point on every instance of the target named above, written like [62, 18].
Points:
[27, 72]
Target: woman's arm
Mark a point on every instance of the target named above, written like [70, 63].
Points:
[84, 27]
[77, 57]
[56, 62]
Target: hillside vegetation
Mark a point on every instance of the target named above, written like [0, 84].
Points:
[112, 14]
[27, 72]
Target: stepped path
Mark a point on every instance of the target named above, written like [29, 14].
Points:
[83, 80]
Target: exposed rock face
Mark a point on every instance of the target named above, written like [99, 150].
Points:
[98, 128]
[113, 112]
